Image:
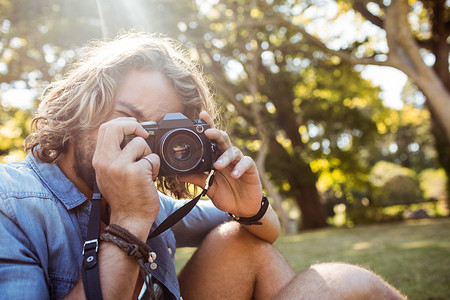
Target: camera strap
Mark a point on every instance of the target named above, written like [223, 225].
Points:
[89, 270]
[180, 213]
[90, 274]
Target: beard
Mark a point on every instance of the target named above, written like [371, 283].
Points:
[83, 154]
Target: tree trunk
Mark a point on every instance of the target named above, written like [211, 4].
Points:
[443, 151]
[299, 174]
[313, 212]
[262, 153]
[302, 183]
[440, 48]
[276, 197]
[404, 54]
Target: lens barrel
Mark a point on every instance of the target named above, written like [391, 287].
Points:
[181, 150]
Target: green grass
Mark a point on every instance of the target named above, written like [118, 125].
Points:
[413, 256]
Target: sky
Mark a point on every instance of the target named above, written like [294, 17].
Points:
[391, 82]
[18, 96]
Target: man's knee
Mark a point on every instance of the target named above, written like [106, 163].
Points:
[231, 236]
[356, 282]
[338, 281]
[222, 265]
[229, 230]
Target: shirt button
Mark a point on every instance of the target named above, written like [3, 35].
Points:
[170, 250]
[153, 266]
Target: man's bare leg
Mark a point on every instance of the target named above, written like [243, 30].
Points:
[233, 264]
[338, 281]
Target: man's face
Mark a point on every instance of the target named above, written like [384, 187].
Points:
[145, 95]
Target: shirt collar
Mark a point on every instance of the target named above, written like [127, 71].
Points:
[55, 180]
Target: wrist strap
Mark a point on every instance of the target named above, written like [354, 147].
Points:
[255, 219]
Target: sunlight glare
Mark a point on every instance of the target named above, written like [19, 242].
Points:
[391, 82]
[18, 97]
[205, 6]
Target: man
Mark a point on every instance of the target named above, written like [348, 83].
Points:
[77, 141]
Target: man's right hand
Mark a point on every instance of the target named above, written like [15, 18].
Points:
[125, 176]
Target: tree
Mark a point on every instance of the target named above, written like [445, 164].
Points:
[34, 49]
[14, 124]
[291, 103]
[405, 45]
[283, 94]
[413, 30]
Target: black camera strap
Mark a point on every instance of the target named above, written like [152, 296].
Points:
[180, 213]
[89, 271]
[90, 274]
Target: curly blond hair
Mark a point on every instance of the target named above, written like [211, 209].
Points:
[84, 98]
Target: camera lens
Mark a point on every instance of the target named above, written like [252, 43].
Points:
[181, 149]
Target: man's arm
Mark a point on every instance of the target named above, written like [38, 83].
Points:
[118, 271]
[237, 188]
[126, 183]
[270, 228]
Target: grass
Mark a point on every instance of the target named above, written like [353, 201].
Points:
[414, 256]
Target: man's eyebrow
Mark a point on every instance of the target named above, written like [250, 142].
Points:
[133, 109]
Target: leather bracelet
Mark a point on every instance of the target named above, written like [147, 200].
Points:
[134, 247]
[255, 219]
[128, 248]
[128, 242]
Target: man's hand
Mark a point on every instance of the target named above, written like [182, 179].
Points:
[125, 176]
[237, 187]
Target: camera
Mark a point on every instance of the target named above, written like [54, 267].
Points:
[181, 144]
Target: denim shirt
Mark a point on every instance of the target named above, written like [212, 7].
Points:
[43, 225]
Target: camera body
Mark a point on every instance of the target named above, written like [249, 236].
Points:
[181, 144]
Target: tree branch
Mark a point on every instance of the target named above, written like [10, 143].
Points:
[426, 44]
[361, 7]
[230, 96]
[344, 55]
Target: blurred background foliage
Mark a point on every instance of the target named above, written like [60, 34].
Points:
[288, 78]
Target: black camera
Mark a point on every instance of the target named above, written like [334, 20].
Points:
[181, 144]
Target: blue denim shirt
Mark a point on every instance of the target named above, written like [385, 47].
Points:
[43, 225]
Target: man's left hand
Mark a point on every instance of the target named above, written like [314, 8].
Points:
[237, 187]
